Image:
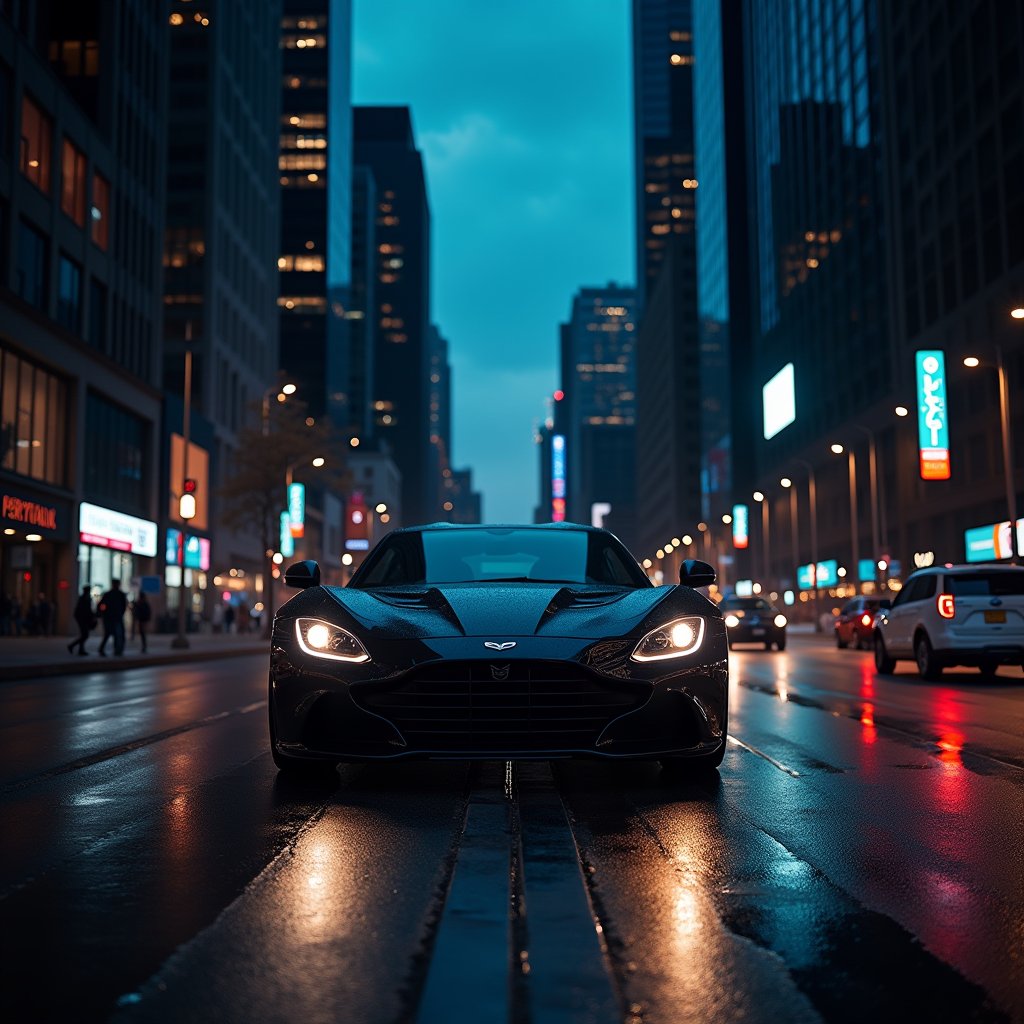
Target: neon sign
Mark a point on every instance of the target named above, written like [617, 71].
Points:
[297, 509]
[932, 415]
[558, 478]
[740, 526]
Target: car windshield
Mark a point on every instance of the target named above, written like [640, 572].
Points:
[986, 584]
[500, 554]
[747, 604]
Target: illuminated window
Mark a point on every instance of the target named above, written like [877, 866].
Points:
[301, 263]
[302, 162]
[72, 190]
[681, 59]
[76, 58]
[304, 120]
[35, 416]
[303, 303]
[303, 42]
[34, 155]
[100, 232]
[316, 141]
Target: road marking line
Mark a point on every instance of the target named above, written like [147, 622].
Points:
[760, 753]
[562, 986]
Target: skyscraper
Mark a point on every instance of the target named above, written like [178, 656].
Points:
[221, 240]
[83, 106]
[316, 203]
[384, 142]
[668, 429]
[598, 411]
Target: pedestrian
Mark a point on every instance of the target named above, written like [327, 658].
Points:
[5, 613]
[44, 615]
[217, 617]
[142, 612]
[229, 618]
[85, 618]
[113, 605]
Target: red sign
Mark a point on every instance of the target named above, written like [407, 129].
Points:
[29, 512]
[935, 464]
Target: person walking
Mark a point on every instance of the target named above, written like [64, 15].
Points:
[85, 618]
[142, 612]
[113, 605]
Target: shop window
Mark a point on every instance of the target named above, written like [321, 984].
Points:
[69, 294]
[100, 231]
[34, 154]
[33, 420]
[30, 274]
[72, 189]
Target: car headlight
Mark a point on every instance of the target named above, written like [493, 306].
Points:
[673, 640]
[731, 621]
[326, 640]
[780, 620]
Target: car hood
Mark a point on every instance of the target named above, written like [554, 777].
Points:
[500, 610]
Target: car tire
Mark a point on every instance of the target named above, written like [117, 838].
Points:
[840, 642]
[988, 667]
[298, 769]
[767, 645]
[929, 667]
[780, 644]
[884, 665]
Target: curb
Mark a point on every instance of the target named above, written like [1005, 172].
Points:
[77, 666]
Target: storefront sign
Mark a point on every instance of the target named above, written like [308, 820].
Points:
[287, 541]
[932, 416]
[825, 575]
[197, 550]
[357, 523]
[105, 528]
[31, 513]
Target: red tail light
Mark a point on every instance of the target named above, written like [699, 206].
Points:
[946, 605]
[865, 619]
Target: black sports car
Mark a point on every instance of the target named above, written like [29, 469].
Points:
[498, 642]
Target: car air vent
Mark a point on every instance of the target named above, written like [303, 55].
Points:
[566, 598]
[431, 599]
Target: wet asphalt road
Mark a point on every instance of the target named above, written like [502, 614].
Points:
[860, 856]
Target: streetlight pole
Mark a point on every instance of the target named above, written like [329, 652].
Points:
[762, 499]
[876, 504]
[812, 501]
[180, 641]
[1006, 429]
[838, 449]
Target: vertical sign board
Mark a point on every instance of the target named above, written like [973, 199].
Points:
[287, 541]
[297, 509]
[558, 478]
[357, 523]
[932, 415]
[740, 526]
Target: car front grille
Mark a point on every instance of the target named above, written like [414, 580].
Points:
[500, 706]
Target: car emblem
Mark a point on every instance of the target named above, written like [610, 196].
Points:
[500, 672]
[495, 646]
[995, 602]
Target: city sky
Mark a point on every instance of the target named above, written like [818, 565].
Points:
[523, 114]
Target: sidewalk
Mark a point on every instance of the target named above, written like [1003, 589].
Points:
[34, 656]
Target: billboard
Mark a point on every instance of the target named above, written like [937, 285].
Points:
[827, 574]
[197, 550]
[932, 415]
[992, 542]
[287, 541]
[778, 399]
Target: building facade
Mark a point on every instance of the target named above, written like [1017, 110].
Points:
[82, 145]
[384, 142]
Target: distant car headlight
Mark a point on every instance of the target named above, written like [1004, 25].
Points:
[732, 621]
[780, 620]
[673, 640]
[325, 640]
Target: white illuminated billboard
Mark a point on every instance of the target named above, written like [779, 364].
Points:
[779, 400]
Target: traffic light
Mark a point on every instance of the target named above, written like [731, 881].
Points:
[187, 501]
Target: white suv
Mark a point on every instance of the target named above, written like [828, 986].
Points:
[954, 615]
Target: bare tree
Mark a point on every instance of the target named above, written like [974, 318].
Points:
[253, 494]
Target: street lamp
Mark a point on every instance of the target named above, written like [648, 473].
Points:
[838, 449]
[282, 394]
[760, 498]
[1006, 430]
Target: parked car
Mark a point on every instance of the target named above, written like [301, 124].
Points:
[855, 623]
[954, 615]
[752, 620]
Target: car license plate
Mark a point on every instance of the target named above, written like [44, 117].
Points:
[757, 632]
[999, 616]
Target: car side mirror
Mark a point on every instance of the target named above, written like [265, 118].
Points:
[302, 575]
[695, 573]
